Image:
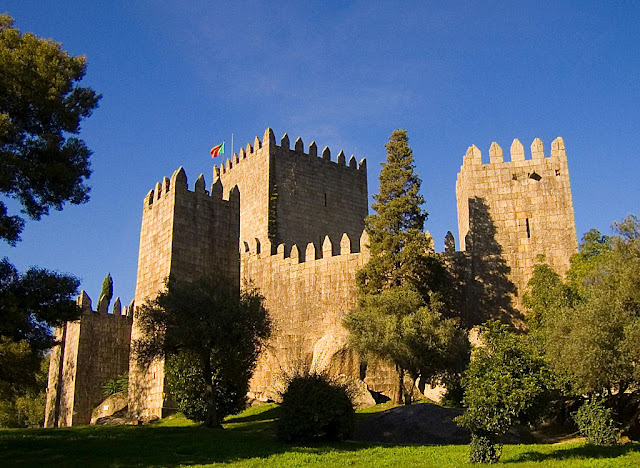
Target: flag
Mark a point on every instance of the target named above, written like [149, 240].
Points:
[217, 150]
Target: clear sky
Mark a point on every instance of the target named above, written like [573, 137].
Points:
[178, 77]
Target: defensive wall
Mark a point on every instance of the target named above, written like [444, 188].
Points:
[519, 209]
[91, 351]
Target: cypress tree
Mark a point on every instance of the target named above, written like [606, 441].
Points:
[107, 291]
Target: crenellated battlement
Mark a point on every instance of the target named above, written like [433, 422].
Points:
[473, 156]
[268, 145]
[294, 254]
[84, 302]
[179, 183]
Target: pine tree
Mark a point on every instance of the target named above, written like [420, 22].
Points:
[401, 253]
[398, 317]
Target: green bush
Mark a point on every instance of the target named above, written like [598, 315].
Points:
[595, 422]
[484, 449]
[187, 387]
[315, 408]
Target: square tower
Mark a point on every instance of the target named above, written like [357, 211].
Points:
[520, 209]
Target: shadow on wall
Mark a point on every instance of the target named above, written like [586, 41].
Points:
[480, 276]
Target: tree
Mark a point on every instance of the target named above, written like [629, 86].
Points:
[400, 308]
[220, 327]
[107, 292]
[506, 381]
[593, 337]
[397, 325]
[41, 166]
[401, 253]
[33, 302]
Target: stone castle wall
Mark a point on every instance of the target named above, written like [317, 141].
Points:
[307, 296]
[518, 209]
[186, 234]
[92, 350]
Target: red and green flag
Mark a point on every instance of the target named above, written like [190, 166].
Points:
[217, 150]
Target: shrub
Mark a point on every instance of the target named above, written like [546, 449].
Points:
[314, 407]
[186, 384]
[484, 449]
[117, 385]
[595, 422]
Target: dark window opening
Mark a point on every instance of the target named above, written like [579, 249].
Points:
[325, 199]
[528, 229]
[557, 172]
[514, 176]
[535, 176]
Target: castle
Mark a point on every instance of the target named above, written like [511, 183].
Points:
[292, 221]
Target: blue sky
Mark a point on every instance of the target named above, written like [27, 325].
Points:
[178, 77]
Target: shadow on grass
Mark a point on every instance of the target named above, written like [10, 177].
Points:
[245, 437]
[582, 451]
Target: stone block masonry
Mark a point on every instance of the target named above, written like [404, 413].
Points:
[92, 350]
[292, 222]
[186, 234]
[520, 209]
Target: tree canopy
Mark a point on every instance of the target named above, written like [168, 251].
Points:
[219, 328]
[33, 302]
[397, 325]
[506, 382]
[41, 105]
[591, 323]
[401, 253]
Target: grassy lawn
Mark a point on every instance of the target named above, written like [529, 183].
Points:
[248, 441]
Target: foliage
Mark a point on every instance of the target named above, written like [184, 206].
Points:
[484, 448]
[315, 408]
[398, 326]
[116, 385]
[592, 337]
[401, 253]
[506, 381]
[210, 319]
[40, 105]
[22, 400]
[107, 291]
[187, 386]
[595, 422]
[33, 302]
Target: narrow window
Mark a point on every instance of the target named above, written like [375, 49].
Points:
[325, 199]
[528, 230]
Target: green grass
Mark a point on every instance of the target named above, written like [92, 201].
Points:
[248, 441]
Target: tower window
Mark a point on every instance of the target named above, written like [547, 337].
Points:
[557, 172]
[325, 199]
[528, 229]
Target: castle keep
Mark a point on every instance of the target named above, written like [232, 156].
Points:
[291, 220]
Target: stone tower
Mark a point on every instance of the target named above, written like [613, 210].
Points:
[292, 197]
[187, 234]
[521, 209]
[265, 196]
[90, 351]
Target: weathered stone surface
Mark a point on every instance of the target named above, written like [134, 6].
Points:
[93, 350]
[109, 406]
